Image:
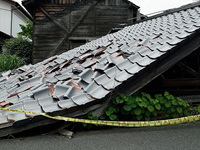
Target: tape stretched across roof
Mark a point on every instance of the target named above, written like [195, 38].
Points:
[87, 74]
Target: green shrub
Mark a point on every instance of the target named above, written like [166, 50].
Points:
[144, 107]
[9, 62]
[19, 46]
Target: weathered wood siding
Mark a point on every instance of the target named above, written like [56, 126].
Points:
[105, 15]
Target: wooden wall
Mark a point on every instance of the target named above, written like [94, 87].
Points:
[50, 38]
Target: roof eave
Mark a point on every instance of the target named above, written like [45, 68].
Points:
[19, 7]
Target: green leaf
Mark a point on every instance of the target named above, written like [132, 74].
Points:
[148, 96]
[137, 111]
[163, 108]
[103, 117]
[122, 95]
[144, 99]
[179, 110]
[154, 113]
[158, 107]
[181, 103]
[173, 109]
[166, 93]
[139, 117]
[143, 93]
[186, 113]
[138, 99]
[111, 109]
[127, 107]
[119, 101]
[179, 99]
[198, 108]
[133, 105]
[167, 104]
[162, 100]
[174, 102]
[142, 104]
[148, 113]
[108, 113]
[150, 108]
[114, 101]
[158, 96]
[113, 117]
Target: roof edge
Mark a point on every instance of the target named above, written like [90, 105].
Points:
[19, 7]
[25, 3]
[170, 11]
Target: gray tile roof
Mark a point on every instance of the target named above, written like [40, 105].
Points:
[89, 73]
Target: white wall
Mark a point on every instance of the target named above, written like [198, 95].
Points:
[5, 17]
[18, 18]
[7, 12]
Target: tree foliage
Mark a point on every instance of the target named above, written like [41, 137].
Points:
[27, 30]
[20, 47]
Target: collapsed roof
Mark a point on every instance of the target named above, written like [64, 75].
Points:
[82, 79]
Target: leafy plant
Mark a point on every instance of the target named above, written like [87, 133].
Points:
[9, 62]
[27, 30]
[20, 47]
[145, 107]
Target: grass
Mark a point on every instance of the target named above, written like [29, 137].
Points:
[9, 62]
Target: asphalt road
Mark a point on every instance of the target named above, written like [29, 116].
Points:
[176, 137]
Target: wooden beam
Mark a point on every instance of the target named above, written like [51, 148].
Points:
[180, 82]
[74, 28]
[188, 69]
[57, 23]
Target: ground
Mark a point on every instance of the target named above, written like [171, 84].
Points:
[176, 137]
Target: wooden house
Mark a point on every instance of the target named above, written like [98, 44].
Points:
[60, 25]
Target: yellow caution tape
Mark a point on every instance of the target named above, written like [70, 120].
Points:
[116, 123]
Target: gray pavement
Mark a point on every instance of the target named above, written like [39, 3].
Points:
[175, 137]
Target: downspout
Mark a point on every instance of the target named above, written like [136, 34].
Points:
[11, 23]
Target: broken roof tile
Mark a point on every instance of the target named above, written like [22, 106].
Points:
[123, 76]
[73, 91]
[82, 99]
[98, 93]
[60, 89]
[66, 104]
[30, 104]
[48, 108]
[41, 92]
[112, 72]
[135, 68]
[86, 75]
[46, 100]
[89, 62]
[101, 79]
[111, 84]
